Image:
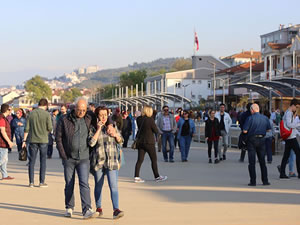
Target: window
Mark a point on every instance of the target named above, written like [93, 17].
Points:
[193, 81]
[178, 85]
[209, 84]
[193, 96]
[199, 81]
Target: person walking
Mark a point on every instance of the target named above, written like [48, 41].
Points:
[52, 133]
[225, 124]
[166, 125]
[106, 139]
[291, 143]
[18, 125]
[72, 143]
[256, 127]
[243, 136]
[38, 127]
[126, 129]
[5, 140]
[186, 130]
[146, 131]
[212, 135]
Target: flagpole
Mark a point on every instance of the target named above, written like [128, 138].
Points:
[194, 43]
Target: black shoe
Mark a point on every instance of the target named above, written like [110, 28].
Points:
[224, 157]
[166, 160]
[171, 160]
[118, 214]
[279, 168]
[266, 183]
[216, 161]
[269, 162]
[284, 177]
[209, 161]
[251, 184]
[220, 159]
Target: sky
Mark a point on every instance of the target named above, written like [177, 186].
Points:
[51, 37]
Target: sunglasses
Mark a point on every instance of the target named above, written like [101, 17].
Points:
[166, 110]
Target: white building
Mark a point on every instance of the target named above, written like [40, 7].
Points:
[8, 97]
[22, 101]
[281, 52]
[193, 84]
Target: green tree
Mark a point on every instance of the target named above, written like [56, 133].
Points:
[132, 78]
[38, 89]
[182, 64]
[70, 95]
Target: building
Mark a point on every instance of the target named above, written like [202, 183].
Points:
[91, 69]
[193, 84]
[8, 97]
[242, 57]
[281, 52]
[22, 101]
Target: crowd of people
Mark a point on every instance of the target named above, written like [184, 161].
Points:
[90, 139]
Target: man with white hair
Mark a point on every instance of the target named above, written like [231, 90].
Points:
[72, 143]
[256, 127]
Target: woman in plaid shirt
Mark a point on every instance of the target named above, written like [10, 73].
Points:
[105, 139]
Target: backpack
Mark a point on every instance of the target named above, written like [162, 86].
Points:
[284, 133]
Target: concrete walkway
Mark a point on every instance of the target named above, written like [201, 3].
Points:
[195, 193]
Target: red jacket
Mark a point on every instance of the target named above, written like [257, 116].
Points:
[3, 142]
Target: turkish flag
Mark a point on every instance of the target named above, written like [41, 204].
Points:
[196, 41]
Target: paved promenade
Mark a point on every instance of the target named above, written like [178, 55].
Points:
[195, 193]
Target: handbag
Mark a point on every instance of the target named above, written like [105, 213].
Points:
[284, 133]
[23, 154]
[136, 142]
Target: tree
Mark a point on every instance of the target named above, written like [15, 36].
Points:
[182, 64]
[133, 78]
[38, 89]
[70, 95]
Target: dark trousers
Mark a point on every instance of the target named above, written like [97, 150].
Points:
[50, 151]
[167, 136]
[289, 145]
[243, 154]
[19, 141]
[34, 148]
[126, 136]
[257, 146]
[268, 142]
[216, 143]
[150, 149]
[82, 167]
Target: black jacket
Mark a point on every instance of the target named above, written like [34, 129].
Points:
[208, 127]
[65, 131]
[148, 129]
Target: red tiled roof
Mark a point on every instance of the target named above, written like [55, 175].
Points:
[243, 67]
[277, 46]
[245, 54]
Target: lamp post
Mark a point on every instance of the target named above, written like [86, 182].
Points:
[184, 86]
[224, 83]
[214, 82]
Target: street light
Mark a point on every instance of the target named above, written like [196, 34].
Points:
[184, 86]
[224, 82]
[214, 83]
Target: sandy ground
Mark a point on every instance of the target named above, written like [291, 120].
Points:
[195, 193]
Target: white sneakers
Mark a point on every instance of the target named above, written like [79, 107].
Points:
[157, 179]
[69, 213]
[89, 214]
[138, 180]
[161, 178]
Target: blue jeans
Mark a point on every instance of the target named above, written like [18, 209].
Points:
[19, 140]
[82, 167]
[185, 143]
[33, 150]
[291, 161]
[268, 143]
[168, 136]
[3, 161]
[256, 146]
[112, 177]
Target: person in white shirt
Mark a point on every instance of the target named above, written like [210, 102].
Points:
[225, 124]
